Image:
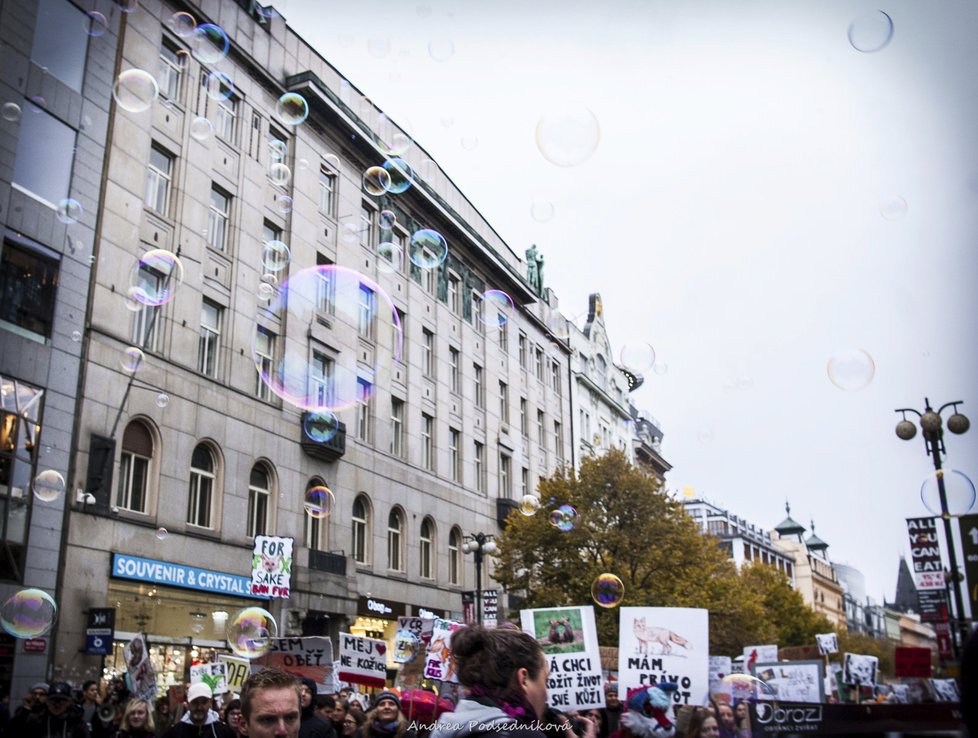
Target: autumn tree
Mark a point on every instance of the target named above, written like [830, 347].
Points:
[794, 623]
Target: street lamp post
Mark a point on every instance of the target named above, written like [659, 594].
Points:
[932, 427]
[479, 544]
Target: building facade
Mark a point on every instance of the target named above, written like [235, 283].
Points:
[451, 401]
[55, 88]
[815, 576]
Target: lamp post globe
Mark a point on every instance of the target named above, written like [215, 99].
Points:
[906, 430]
[958, 424]
[931, 422]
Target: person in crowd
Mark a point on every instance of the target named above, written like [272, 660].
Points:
[137, 720]
[270, 705]
[613, 708]
[742, 716]
[702, 724]
[312, 726]
[200, 720]
[32, 703]
[505, 672]
[726, 720]
[334, 711]
[385, 719]
[354, 706]
[4, 710]
[90, 700]
[61, 718]
[232, 715]
[163, 715]
[352, 723]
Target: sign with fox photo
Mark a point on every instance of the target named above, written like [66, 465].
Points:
[665, 644]
[569, 640]
[271, 566]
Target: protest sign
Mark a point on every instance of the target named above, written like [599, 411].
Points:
[720, 667]
[570, 642]
[925, 553]
[437, 662]
[664, 644]
[859, 670]
[236, 671]
[310, 657]
[796, 681]
[911, 662]
[139, 669]
[753, 654]
[213, 675]
[271, 566]
[828, 643]
[363, 660]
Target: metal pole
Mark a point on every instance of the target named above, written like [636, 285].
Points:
[478, 582]
[959, 619]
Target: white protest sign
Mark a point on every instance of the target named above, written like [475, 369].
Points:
[271, 566]
[213, 675]
[437, 661]
[237, 670]
[310, 657]
[570, 642]
[754, 654]
[828, 643]
[720, 668]
[362, 661]
[665, 644]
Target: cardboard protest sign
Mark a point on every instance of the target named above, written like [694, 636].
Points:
[139, 669]
[754, 654]
[363, 661]
[828, 643]
[720, 667]
[570, 642]
[945, 690]
[795, 681]
[438, 662]
[236, 670]
[213, 675]
[271, 566]
[409, 647]
[859, 670]
[310, 657]
[665, 644]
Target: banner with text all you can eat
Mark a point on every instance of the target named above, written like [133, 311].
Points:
[362, 661]
[570, 643]
[665, 644]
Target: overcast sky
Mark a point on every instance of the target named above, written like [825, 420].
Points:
[763, 196]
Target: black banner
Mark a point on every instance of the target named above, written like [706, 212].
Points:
[800, 718]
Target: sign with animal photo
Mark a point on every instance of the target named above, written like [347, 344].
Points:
[828, 643]
[795, 681]
[139, 669]
[859, 670]
[665, 644]
[213, 675]
[570, 640]
[755, 654]
[271, 566]
[438, 662]
[310, 657]
[363, 661]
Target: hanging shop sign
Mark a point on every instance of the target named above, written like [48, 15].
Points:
[100, 631]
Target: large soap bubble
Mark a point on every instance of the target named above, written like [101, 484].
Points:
[251, 631]
[29, 613]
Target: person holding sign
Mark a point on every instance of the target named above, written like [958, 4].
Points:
[505, 672]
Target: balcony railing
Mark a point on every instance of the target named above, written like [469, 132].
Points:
[331, 449]
[331, 563]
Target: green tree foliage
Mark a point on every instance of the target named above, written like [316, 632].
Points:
[793, 622]
[629, 527]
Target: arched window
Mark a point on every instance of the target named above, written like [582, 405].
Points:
[202, 477]
[455, 556]
[361, 526]
[427, 548]
[259, 494]
[314, 527]
[134, 468]
[395, 540]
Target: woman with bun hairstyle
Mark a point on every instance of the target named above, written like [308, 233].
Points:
[504, 672]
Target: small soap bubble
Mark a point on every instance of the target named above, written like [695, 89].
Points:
[38, 104]
[637, 357]
[292, 109]
[251, 631]
[567, 135]
[320, 427]
[428, 248]
[387, 219]
[303, 164]
[607, 590]
[49, 485]
[529, 504]
[390, 258]
[542, 211]
[318, 502]
[275, 255]
[283, 203]
[209, 43]
[660, 368]
[201, 128]
[132, 359]
[564, 518]
[155, 278]
[29, 613]
[959, 492]
[407, 645]
[182, 24]
[851, 370]
[894, 209]
[469, 142]
[162, 533]
[871, 32]
[279, 174]
[162, 400]
[76, 336]
[95, 24]
[267, 285]
[498, 306]
[218, 86]
[401, 175]
[395, 145]
[69, 211]
[10, 112]
[135, 90]
[441, 50]
[127, 6]
[745, 687]
[376, 180]
[278, 149]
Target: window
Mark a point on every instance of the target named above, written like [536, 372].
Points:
[360, 528]
[395, 541]
[397, 427]
[478, 312]
[480, 390]
[227, 115]
[524, 482]
[522, 348]
[426, 540]
[555, 376]
[453, 366]
[453, 293]
[586, 426]
[202, 478]
[367, 311]
[504, 402]
[480, 467]
[158, 179]
[558, 440]
[504, 336]
[259, 492]
[28, 288]
[210, 335]
[505, 476]
[45, 152]
[454, 454]
[541, 432]
[523, 429]
[427, 442]
[313, 525]
[321, 379]
[363, 409]
[278, 147]
[171, 69]
[428, 275]
[366, 225]
[538, 362]
[455, 556]
[217, 219]
[134, 463]
[326, 290]
[327, 191]
[20, 408]
[265, 357]
[58, 47]
[428, 353]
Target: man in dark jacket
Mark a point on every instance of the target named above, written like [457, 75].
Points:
[312, 725]
[200, 721]
[60, 718]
